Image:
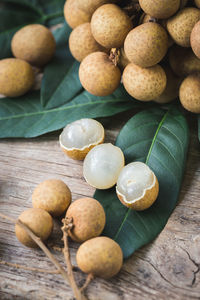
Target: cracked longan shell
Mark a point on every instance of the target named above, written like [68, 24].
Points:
[146, 45]
[88, 219]
[180, 26]
[98, 75]
[52, 195]
[189, 93]
[195, 39]
[39, 221]
[160, 9]
[82, 42]
[144, 84]
[100, 256]
[35, 44]
[16, 77]
[74, 16]
[110, 26]
[183, 61]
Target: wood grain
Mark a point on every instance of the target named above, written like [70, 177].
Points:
[168, 268]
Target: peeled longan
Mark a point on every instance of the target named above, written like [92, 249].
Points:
[82, 42]
[98, 75]
[195, 39]
[110, 26]
[160, 9]
[180, 26]
[88, 219]
[189, 93]
[144, 84]
[34, 43]
[146, 44]
[16, 77]
[52, 195]
[39, 221]
[100, 256]
[74, 16]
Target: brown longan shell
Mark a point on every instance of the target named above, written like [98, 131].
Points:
[74, 16]
[197, 2]
[195, 39]
[35, 44]
[160, 9]
[91, 5]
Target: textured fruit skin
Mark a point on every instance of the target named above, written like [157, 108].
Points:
[91, 5]
[101, 257]
[35, 44]
[123, 60]
[16, 77]
[146, 44]
[82, 42]
[195, 39]
[144, 84]
[74, 16]
[197, 2]
[53, 196]
[39, 221]
[110, 26]
[171, 91]
[183, 61]
[98, 75]
[189, 93]
[88, 219]
[180, 26]
[144, 203]
[160, 9]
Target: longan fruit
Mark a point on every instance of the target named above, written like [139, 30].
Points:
[34, 43]
[146, 44]
[91, 5]
[100, 256]
[195, 39]
[39, 221]
[123, 60]
[75, 16]
[189, 93]
[144, 84]
[180, 26]
[82, 42]
[16, 77]
[110, 26]
[197, 2]
[98, 75]
[52, 195]
[88, 219]
[160, 9]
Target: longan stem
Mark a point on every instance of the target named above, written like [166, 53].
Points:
[67, 225]
[89, 278]
[17, 266]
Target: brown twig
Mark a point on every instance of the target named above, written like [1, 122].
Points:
[114, 55]
[67, 225]
[89, 278]
[17, 266]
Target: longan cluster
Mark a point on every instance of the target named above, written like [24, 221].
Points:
[152, 45]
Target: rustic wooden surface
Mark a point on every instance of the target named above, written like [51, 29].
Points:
[168, 268]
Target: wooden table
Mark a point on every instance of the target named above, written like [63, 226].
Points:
[168, 268]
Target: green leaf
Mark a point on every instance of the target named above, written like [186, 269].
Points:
[60, 82]
[25, 116]
[159, 138]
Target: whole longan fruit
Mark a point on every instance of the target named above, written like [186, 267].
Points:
[16, 77]
[146, 44]
[180, 26]
[75, 16]
[39, 221]
[88, 219]
[189, 93]
[100, 256]
[195, 39]
[144, 84]
[197, 2]
[160, 9]
[110, 26]
[183, 61]
[82, 42]
[91, 5]
[52, 195]
[98, 75]
[123, 60]
[35, 44]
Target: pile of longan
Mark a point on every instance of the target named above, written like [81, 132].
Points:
[153, 45]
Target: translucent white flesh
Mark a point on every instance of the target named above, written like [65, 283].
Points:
[102, 166]
[81, 134]
[134, 180]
